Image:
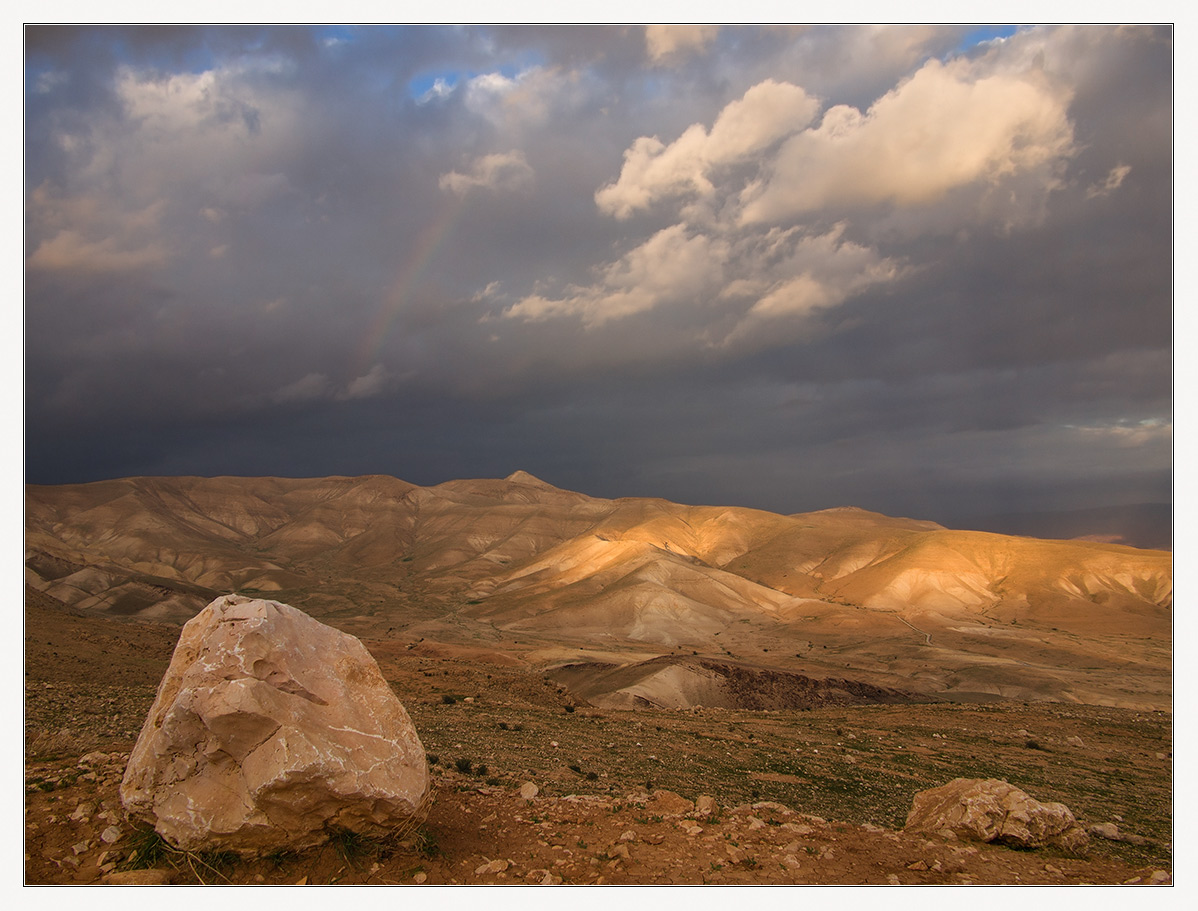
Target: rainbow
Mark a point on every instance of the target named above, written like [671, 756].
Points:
[430, 240]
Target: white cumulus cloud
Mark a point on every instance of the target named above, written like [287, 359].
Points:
[671, 266]
[949, 125]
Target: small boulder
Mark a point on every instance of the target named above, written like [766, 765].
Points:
[989, 810]
[667, 804]
[271, 730]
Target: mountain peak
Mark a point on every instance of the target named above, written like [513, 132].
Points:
[523, 477]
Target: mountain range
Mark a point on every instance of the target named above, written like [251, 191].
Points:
[517, 571]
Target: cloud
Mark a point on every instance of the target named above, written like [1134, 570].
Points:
[821, 273]
[1113, 181]
[317, 387]
[665, 41]
[524, 101]
[366, 386]
[1149, 432]
[501, 171]
[69, 250]
[949, 125]
[86, 233]
[308, 388]
[652, 170]
[672, 266]
[813, 256]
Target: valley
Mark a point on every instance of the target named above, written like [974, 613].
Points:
[627, 657]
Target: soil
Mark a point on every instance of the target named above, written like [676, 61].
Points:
[645, 797]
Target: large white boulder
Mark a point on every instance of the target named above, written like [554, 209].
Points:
[271, 730]
[990, 810]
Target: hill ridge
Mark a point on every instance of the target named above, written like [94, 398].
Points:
[843, 592]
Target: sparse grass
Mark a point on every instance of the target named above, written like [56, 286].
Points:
[353, 847]
[47, 745]
[147, 849]
[282, 857]
[425, 843]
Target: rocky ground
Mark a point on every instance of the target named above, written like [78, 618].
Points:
[478, 833]
[710, 796]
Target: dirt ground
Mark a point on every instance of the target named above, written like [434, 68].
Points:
[645, 797]
[475, 833]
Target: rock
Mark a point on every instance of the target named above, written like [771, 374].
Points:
[1111, 832]
[1075, 741]
[420, 878]
[1159, 877]
[988, 810]
[528, 790]
[772, 805]
[705, 805]
[150, 877]
[491, 866]
[667, 803]
[111, 835]
[271, 730]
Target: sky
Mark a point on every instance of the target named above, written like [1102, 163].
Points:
[924, 270]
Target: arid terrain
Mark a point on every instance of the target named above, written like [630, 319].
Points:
[808, 674]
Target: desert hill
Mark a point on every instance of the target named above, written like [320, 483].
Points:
[518, 571]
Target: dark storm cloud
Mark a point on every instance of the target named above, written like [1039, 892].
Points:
[784, 267]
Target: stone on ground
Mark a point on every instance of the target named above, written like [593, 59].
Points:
[271, 731]
[989, 810]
